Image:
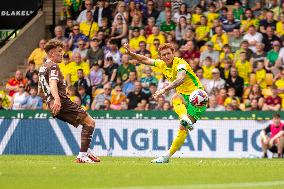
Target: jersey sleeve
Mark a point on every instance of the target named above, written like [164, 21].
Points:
[267, 129]
[182, 65]
[54, 72]
[159, 63]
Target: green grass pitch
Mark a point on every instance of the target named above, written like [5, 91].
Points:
[40, 172]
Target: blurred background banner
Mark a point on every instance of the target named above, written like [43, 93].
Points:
[14, 13]
[132, 137]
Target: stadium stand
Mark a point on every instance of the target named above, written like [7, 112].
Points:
[211, 35]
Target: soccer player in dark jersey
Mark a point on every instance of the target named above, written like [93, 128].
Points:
[53, 86]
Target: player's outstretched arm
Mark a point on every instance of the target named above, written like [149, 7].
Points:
[140, 58]
[54, 91]
[177, 82]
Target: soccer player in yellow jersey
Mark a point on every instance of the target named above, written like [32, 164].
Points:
[184, 80]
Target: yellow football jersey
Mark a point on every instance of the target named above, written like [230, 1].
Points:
[191, 82]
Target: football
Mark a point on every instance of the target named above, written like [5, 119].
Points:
[198, 98]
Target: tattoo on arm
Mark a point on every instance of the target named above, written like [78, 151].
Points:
[178, 81]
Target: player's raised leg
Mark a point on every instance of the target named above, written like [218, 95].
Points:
[86, 155]
[180, 108]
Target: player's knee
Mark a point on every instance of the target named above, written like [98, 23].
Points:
[264, 142]
[90, 122]
[176, 97]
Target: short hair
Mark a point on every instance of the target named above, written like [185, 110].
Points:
[152, 84]
[58, 28]
[77, 25]
[52, 44]
[33, 87]
[198, 68]
[80, 69]
[252, 26]
[166, 46]
[71, 88]
[81, 87]
[151, 19]
[32, 62]
[208, 58]
[276, 115]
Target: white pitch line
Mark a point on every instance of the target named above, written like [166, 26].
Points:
[205, 186]
[60, 137]
[8, 134]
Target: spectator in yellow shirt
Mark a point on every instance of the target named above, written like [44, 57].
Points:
[226, 54]
[156, 35]
[219, 39]
[66, 49]
[196, 16]
[280, 86]
[244, 67]
[136, 39]
[202, 31]
[89, 28]
[212, 15]
[78, 64]
[231, 95]
[245, 24]
[260, 74]
[207, 68]
[38, 54]
[65, 68]
[154, 49]
[280, 26]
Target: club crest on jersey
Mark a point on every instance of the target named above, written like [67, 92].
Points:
[54, 73]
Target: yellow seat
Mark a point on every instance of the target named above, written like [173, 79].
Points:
[252, 79]
[266, 92]
[269, 79]
[97, 91]
[242, 107]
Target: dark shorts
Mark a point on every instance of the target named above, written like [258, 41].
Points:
[70, 112]
[274, 149]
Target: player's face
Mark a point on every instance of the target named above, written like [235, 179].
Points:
[276, 120]
[167, 56]
[57, 55]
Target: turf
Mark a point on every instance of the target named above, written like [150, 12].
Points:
[61, 172]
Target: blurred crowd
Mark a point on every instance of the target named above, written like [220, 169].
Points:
[234, 47]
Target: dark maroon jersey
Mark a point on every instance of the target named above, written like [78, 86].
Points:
[50, 70]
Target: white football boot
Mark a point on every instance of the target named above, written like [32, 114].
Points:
[161, 159]
[92, 156]
[84, 159]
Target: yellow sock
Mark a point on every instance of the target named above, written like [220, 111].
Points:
[178, 141]
[179, 107]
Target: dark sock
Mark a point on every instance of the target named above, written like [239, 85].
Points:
[280, 155]
[265, 155]
[86, 138]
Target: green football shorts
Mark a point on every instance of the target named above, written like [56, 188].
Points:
[195, 112]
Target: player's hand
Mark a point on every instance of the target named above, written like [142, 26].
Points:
[56, 106]
[158, 93]
[127, 48]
